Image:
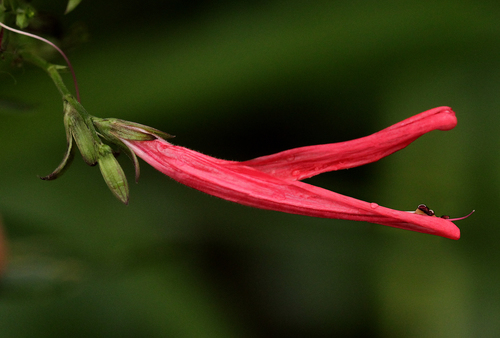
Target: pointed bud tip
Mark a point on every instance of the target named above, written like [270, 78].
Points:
[113, 174]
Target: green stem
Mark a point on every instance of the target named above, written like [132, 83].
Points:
[53, 72]
[50, 68]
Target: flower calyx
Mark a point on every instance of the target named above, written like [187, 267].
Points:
[115, 131]
[89, 134]
[80, 129]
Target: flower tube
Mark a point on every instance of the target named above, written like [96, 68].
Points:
[272, 182]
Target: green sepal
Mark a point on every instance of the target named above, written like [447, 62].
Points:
[111, 138]
[134, 159]
[68, 158]
[113, 173]
[123, 147]
[127, 130]
[130, 155]
[83, 135]
[116, 130]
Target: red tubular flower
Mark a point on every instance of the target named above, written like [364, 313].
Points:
[273, 182]
[269, 182]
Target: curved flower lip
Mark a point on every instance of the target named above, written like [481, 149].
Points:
[313, 160]
[271, 182]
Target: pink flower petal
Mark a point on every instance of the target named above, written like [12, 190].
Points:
[276, 190]
[305, 162]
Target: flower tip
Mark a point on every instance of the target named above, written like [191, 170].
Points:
[449, 119]
[454, 234]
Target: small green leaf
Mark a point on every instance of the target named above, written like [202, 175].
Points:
[21, 20]
[24, 15]
[72, 5]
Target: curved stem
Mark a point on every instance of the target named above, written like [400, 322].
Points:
[50, 69]
[53, 45]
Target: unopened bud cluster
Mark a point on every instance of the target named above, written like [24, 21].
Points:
[89, 134]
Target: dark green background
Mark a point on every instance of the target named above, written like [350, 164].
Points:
[238, 80]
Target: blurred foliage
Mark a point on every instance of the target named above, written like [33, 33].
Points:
[237, 80]
[72, 5]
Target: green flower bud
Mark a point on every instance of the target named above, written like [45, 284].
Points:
[113, 173]
[85, 137]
